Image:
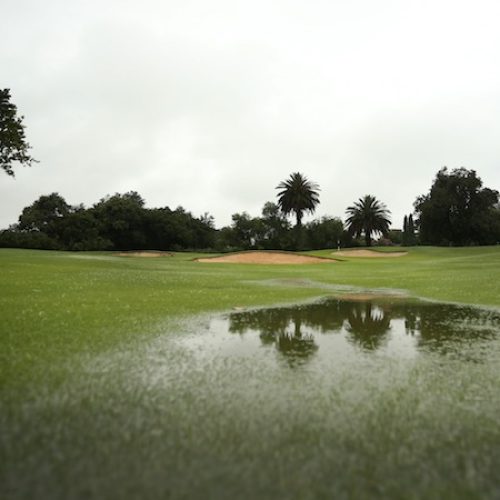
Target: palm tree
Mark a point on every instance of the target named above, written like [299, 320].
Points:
[367, 216]
[298, 195]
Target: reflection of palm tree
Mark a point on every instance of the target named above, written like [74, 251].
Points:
[296, 349]
[367, 325]
[441, 328]
[412, 322]
[293, 344]
[324, 317]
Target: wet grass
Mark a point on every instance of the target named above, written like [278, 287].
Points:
[56, 304]
[99, 399]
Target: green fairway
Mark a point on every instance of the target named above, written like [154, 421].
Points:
[101, 398]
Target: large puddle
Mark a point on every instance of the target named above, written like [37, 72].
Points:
[379, 398]
[340, 331]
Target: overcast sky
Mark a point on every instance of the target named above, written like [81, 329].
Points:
[209, 104]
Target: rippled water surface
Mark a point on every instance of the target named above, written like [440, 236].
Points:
[355, 398]
[346, 332]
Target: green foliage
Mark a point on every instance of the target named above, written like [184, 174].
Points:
[80, 230]
[247, 231]
[325, 232]
[12, 238]
[13, 145]
[121, 217]
[408, 237]
[177, 229]
[276, 228]
[271, 231]
[396, 236]
[118, 222]
[298, 195]
[458, 210]
[368, 216]
[45, 215]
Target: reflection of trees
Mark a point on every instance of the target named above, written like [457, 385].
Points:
[295, 345]
[323, 317]
[441, 328]
[279, 327]
[368, 324]
[267, 321]
[291, 330]
[447, 328]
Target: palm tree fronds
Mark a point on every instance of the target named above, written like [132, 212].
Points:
[297, 194]
[367, 216]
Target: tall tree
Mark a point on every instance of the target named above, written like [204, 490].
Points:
[247, 230]
[121, 218]
[275, 227]
[409, 237]
[412, 239]
[13, 144]
[325, 232]
[298, 195]
[458, 210]
[368, 216]
[45, 215]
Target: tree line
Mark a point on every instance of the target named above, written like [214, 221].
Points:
[457, 210]
[122, 222]
[118, 222]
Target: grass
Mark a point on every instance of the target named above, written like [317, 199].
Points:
[75, 337]
[56, 304]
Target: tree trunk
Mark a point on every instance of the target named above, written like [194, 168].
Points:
[298, 215]
[368, 239]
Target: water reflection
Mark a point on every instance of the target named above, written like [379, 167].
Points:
[299, 332]
[367, 324]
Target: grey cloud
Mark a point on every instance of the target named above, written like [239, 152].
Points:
[211, 104]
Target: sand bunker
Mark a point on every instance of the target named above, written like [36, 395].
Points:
[145, 253]
[368, 253]
[266, 258]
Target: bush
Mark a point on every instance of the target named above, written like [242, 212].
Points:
[27, 239]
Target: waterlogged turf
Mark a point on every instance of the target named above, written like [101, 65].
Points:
[118, 381]
[379, 398]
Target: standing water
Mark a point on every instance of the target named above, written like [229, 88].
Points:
[358, 398]
[350, 332]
